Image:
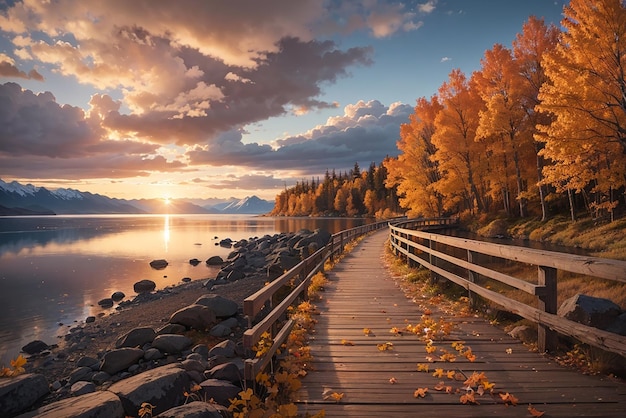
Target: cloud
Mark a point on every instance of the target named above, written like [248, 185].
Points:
[247, 182]
[427, 7]
[40, 138]
[366, 132]
[446, 59]
[9, 69]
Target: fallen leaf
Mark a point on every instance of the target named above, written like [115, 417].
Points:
[420, 392]
[385, 346]
[346, 342]
[393, 381]
[367, 331]
[468, 398]
[535, 412]
[336, 396]
[440, 386]
[438, 373]
[507, 398]
[509, 351]
[422, 367]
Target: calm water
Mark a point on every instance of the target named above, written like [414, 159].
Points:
[54, 270]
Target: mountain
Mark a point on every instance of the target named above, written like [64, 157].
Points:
[248, 205]
[19, 199]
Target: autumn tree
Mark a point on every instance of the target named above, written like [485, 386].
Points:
[586, 94]
[503, 126]
[460, 157]
[529, 47]
[414, 172]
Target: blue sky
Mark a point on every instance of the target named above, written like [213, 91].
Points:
[207, 99]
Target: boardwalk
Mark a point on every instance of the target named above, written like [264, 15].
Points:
[381, 383]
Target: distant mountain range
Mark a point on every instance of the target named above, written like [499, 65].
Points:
[19, 199]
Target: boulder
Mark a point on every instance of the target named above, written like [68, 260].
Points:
[619, 325]
[162, 387]
[144, 286]
[195, 316]
[136, 337]
[106, 302]
[117, 296]
[158, 264]
[90, 319]
[171, 329]
[235, 275]
[226, 348]
[35, 347]
[229, 372]
[21, 392]
[196, 409]
[120, 359]
[595, 312]
[222, 307]
[82, 388]
[219, 390]
[100, 377]
[171, 343]
[216, 260]
[152, 354]
[83, 373]
[220, 330]
[194, 261]
[92, 405]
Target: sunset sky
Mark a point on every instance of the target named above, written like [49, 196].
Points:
[208, 98]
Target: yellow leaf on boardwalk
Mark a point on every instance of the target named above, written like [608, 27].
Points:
[420, 392]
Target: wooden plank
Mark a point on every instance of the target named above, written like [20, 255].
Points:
[363, 294]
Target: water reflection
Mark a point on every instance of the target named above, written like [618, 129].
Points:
[56, 269]
[166, 232]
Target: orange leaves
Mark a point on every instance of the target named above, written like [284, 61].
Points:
[438, 373]
[367, 331]
[420, 392]
[507, 398]
[469, 399]
[422, 367]
[393, 381]
[395, 331]
[17, 367]
[347, 342]
[535, 412]
[388, 346]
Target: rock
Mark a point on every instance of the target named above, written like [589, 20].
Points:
[226, 243]
[100, 377]
[162, 387]
[595, 312]
[196, 409]
[226, 348]
[136, 337]
[194, 365]
[144, 286]
[219, 390]
[194, 261]
[158, 264]
[86, 361]
[195, 316]
[235, 275]
[82, 388]
[106, 303]
[90, 319]
[171, 343]
[152, 354]
[117, 296]
[186, 279]
[222, 307]
[80, 373]
[35, 347]
[201, 349]
[619, 325]
[171, 329]
[227, 371]
[216, 260]
[120, 359]
[21, 392]
[92, 405]
[220, 330]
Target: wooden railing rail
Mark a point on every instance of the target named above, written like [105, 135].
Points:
[440, 254]
[300, 275]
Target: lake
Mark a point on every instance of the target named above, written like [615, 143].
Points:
[55, 269]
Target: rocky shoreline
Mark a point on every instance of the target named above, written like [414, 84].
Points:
[170, 348]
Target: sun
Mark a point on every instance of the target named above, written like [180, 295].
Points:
[167, 201]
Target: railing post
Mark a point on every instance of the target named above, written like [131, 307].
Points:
[471, 276]
[546, 338]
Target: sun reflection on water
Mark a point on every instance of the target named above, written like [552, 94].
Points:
[166, 232]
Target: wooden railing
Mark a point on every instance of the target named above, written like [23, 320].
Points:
[458, 260]
[300, 277]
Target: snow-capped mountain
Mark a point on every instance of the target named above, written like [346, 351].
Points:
[19, 199]
[248, 205]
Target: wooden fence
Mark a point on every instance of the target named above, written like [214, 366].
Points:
[300, 277]
[459, 260]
